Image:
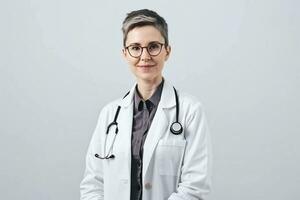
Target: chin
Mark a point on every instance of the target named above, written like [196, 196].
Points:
[146, 77]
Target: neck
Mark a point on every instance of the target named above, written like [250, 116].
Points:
[147, 87]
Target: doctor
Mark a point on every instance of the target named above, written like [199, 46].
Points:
[152, 144]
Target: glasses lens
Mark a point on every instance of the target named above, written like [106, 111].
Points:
[135, 50]
[154, 49]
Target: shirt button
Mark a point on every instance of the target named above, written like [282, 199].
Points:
[138, 187]
[148, 186]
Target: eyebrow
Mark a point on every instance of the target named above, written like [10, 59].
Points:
[136, 43]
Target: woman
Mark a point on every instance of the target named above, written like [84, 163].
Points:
[152, 144]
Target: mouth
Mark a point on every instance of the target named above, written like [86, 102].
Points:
[145, 66]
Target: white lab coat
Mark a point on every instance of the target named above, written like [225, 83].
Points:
[175, 167]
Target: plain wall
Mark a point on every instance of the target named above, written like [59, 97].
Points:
[60, 63]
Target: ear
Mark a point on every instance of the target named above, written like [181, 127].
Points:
[124, 53]
[168, 52]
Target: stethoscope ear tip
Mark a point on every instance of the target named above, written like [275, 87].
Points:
[112, 156]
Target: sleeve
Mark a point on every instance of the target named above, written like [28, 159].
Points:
[195, 178]
[91, 186]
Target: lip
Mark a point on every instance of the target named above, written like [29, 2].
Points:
[146, 66]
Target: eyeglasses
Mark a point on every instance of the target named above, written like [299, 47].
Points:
[154, 48]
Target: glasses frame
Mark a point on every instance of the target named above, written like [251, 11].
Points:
[146, 47]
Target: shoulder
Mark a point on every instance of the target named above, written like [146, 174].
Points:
[191, 108]
[189, 101]
[111, 106]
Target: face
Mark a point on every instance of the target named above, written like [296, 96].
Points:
[146, 67]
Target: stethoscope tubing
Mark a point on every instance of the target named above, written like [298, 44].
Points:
[176, 129]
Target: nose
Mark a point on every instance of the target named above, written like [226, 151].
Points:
[145, 55]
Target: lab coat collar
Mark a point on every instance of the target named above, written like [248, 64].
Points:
[167, 99]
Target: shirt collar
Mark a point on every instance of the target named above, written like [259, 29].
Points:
[154, 99]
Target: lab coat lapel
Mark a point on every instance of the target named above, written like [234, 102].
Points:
[125, 126]
[159, 125]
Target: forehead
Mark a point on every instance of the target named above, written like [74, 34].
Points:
[143, 35]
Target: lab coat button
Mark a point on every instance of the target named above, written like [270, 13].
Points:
[148, 186]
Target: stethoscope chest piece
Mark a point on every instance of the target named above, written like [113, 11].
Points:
[176, 128]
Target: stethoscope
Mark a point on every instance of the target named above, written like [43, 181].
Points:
[175, 128]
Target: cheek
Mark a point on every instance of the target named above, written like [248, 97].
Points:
[162, 57]
[160, 60]
[132, 61]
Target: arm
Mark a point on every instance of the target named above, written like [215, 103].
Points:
[91, 187]
[195, 171]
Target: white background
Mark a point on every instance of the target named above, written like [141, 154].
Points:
[60, 63]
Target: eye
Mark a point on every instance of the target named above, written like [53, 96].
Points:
[153, 46]
[135, 48]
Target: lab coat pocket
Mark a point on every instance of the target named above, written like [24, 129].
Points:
[169, 156]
